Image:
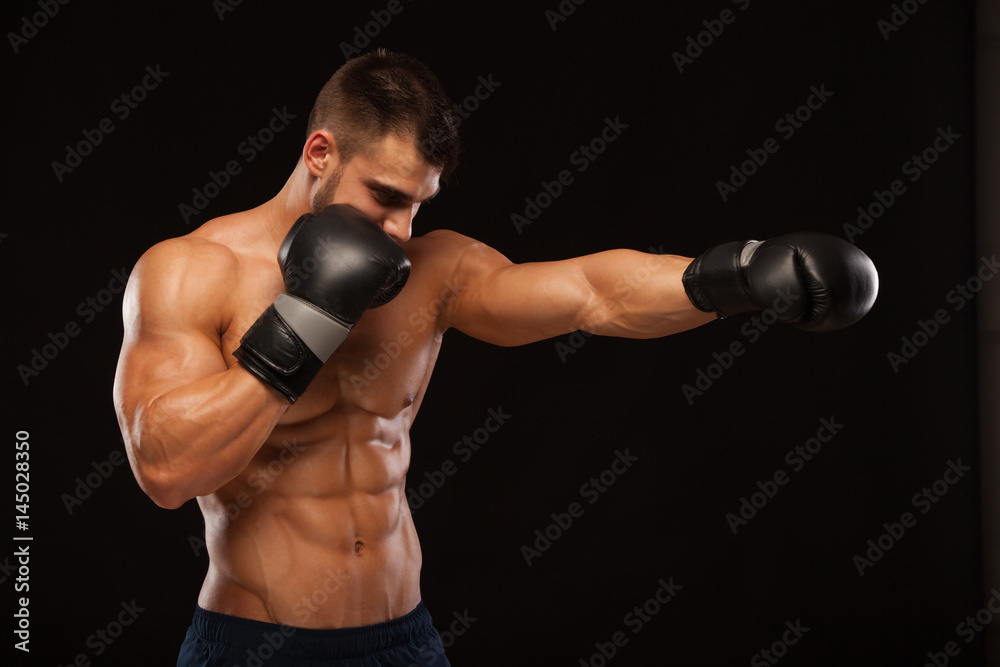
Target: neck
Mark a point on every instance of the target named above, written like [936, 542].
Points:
[281, 211]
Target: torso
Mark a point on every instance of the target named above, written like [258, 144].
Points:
[316, 531]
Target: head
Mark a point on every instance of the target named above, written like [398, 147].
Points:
[381, 136]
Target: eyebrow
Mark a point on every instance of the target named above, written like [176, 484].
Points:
[391, 191]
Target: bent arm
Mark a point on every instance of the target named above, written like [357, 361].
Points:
[622, 293]
[190, 425]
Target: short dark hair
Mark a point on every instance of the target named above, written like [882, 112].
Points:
[381, 92]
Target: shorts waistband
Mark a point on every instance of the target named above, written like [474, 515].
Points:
[261, 638]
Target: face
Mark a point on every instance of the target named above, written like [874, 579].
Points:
[387, 183]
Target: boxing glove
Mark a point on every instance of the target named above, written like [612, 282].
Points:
[811, 280]
[335, 265]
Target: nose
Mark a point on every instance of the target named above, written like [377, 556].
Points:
[399, 224]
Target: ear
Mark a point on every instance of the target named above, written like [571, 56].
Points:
[320, 153]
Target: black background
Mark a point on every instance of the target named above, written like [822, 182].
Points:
[653, 187]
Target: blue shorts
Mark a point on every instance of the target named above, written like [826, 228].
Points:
[220, 640]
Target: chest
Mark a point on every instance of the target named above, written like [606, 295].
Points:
[383, 366]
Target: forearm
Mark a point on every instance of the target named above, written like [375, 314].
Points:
[194, 439]
[637, 295]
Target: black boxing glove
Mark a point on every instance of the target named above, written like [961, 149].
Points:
[335, 265]
[811, 280]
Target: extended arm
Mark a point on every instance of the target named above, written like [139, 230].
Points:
[813, 281]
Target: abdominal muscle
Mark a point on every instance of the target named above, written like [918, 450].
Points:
[316, 531]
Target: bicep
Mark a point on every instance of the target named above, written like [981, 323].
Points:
[170, 337]
[152, 363]
[514, 304]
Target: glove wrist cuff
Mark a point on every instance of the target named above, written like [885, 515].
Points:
[715, 281]
[271, 350]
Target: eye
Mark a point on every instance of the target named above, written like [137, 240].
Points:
[384, 198]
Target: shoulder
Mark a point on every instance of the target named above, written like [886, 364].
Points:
[179, 273]
[453, 253]
[187, 259]
[213, 251]
[186, 250]
[461, 264]
[440, 243]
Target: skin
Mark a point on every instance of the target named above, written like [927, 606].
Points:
[306, 518]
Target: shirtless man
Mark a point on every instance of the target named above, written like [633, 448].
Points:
[224, 371]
